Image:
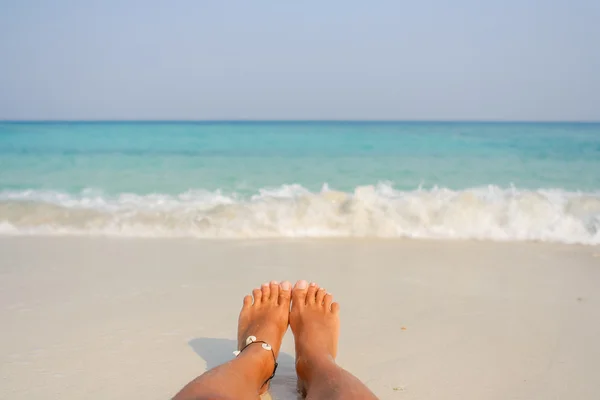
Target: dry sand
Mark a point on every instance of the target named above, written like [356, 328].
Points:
[120, 319]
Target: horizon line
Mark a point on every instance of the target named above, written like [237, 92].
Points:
[249, 120]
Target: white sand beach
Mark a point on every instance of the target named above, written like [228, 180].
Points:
[100, 318]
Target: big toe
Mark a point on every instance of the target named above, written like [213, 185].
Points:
[285, 291]
[299, 293]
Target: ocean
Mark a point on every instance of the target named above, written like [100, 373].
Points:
[443, 180]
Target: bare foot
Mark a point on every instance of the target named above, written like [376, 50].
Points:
[315, 322]
[265, 315]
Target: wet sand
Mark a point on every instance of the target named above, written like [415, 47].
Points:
[103, 318]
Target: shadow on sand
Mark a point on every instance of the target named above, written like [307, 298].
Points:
[215, 351]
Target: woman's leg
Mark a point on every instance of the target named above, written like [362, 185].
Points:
[264, 315]
[315, 322]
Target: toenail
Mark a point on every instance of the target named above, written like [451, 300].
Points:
[265, 284]
[301, 285]
[286, 285]
[313, 284]
[274, 283]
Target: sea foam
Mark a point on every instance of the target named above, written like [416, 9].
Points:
[376, 211]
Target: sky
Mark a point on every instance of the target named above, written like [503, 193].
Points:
[325, 59]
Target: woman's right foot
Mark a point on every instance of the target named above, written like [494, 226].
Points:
[315, 322]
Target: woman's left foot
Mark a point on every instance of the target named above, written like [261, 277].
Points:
[265, 315]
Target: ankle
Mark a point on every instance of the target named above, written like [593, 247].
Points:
[261, 360]
[309, 365]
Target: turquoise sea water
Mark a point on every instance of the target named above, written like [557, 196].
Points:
[503, 181]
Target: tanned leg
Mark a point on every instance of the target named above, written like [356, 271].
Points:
[264, 315]
[314, 319]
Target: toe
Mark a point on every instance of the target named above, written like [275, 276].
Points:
[312, 292]
[299, 293]
[321, 295]
[335, 308]
[274, 292]
[285, 291]
[247, 301]
[266, 291]
[257, 293]
[328, 300]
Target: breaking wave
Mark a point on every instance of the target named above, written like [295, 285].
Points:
[486, 213]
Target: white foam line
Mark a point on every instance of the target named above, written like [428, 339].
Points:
[487, 213]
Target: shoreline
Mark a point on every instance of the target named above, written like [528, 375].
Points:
[297, 239]
[100, 317]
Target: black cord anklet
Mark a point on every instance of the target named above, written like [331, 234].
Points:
[252, 340]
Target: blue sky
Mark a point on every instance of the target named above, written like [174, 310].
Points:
[431, 59]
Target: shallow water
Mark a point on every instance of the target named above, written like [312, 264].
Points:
[501, 181]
